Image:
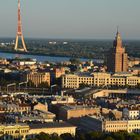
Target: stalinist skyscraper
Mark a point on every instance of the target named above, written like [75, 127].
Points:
[117, 59]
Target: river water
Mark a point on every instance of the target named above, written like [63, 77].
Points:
[42, 58]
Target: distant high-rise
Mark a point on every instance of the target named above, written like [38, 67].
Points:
[117, 59]
[19, 32]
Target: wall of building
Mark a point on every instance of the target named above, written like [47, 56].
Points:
[77, 112]
[36, 78]
[100, 80]
[57, 130]
[115, 126]
[24, 132]
[9, 132]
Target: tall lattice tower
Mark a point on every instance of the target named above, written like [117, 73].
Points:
[19, 32]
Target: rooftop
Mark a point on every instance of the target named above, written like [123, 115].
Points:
[84, 74]
[76, 107]
[50, 125]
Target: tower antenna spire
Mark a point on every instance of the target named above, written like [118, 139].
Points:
[117, 29]
[19, 32]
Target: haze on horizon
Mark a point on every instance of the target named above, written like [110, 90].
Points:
[83, 19]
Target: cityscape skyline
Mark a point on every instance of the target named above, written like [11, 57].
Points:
[70, 79]
[88, 19]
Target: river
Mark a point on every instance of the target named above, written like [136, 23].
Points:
[42, 58]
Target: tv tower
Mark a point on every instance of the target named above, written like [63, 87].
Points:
[19, 32]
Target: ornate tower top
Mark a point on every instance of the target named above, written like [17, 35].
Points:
[118, 40]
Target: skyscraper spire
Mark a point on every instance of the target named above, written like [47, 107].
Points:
[117, 29]
[117, 57]
[118, 40]
[19, 32]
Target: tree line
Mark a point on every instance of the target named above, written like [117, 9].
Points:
[90, 136]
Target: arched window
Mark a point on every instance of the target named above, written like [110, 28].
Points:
[17, 131]
[1, 132]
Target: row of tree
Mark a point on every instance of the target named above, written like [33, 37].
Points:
[83, 85]
[90, 136]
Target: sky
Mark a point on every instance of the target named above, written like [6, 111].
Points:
[73, 19]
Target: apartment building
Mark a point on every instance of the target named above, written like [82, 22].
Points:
[99, 80]
[14, 131]
[28, 132]
[100, 124]
[68, 112]
[131, 113]
[36, 78]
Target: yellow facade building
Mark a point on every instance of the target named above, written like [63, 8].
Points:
[26, 132]
[51, 128]
[94, 123]
[37, 78]
[11, 132]
[99, 80]
[122, 125]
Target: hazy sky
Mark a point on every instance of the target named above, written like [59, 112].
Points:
[91, 19]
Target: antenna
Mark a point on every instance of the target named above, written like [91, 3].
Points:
[19, 32]
[117, 29]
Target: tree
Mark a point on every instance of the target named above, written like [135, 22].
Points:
[67, 136]
[80, 136]
[119, 136]
[134, 136]
[75, 61]
[83, 85]
[55, 137]
[94, 136]
[31, 84]
[138, 85]
[43, 85]
[108, 138]
[43, 136]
